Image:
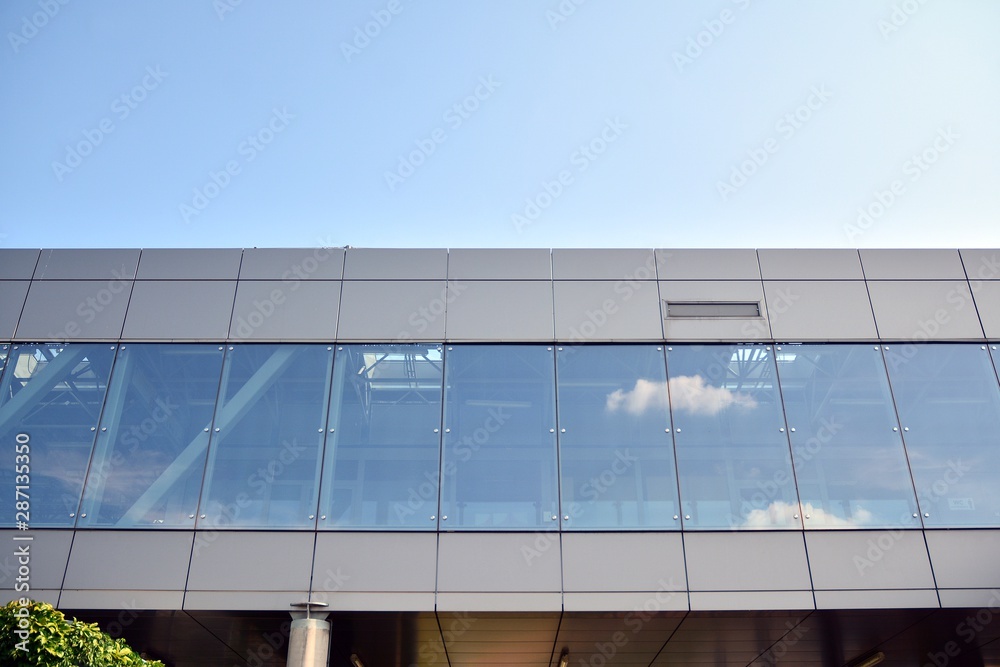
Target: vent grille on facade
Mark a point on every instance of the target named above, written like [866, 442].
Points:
[712, 308]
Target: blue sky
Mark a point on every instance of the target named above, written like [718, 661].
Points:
[501, 123]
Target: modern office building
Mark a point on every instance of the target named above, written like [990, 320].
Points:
[509, 457]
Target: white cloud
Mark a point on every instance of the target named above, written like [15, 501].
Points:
[780, 513]
[691, 394]
[644, 396]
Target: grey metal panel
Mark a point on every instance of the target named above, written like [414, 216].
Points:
[292, 264]
[278, 601]
[180, 310]
[189, 264]
[18, 263]
[278, 311]
[87, 264]
[922, 264]
[12, 296]
[876, 599]
[593, 562]
[757, 561]
[603, 311]
[499, 310]
[251, 561]
[972, 598]
[517, 602]
[757, 600]
[715, 328]
[393, 310]
[129, 560]
[819, 310]
[626, 601]
[499, 264]
[810, 264]
[849, 559]
[49, 553]
[500, 562]
[987, 296]
[121, 599]
[981, 264]
[396, 264]
[707, 264]
[924, 310]
[75, 309]
[383, 562]
[380, 602]
[603, 264]
[965, 558]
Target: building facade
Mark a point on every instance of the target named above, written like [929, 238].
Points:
[523, 457]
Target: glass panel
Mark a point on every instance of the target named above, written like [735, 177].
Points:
[382, 458]
[732, 454]
[949, 405]
[53, 395]
[615, 452]
[263, 466]
[150, 453]
[849, 462]
[499, 468]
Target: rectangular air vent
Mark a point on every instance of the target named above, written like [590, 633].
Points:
[743, 309]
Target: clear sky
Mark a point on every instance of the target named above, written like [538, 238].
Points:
[500, 123]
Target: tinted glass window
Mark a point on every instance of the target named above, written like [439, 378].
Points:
[615, 452]
[848, 453]
[382, 452]
[52, 394]
[499, 464]
[150, 454]
[732, 451]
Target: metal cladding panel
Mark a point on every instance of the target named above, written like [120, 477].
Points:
[929, 264]
[278, 311]
[292, 264]
[499, 264]
[499, 562]
[971, 598]
[810, 264]
[707, 264]
[878, 599]
[251, 561]
[868, 559]
[124, 600]
[387, 310]
[655, 563]
[189, 264]
[85, 264]
[180, 310]
[603, 264]
[74, 309]
[714, 328]
[819, 310]
[381, 602]
[987, 295]
[981, 264]
[129, 560]
[374, 562]
[965, 558]
[18, 263]
[606, 311]
[486, 602]
[924, 310]
[758, 600]
[48, 552]
[12, 296]
[746, 561]
[396, 264]
[244, 600]
[513, 310]
[626, 601]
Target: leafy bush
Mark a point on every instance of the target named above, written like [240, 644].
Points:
[53, 641]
